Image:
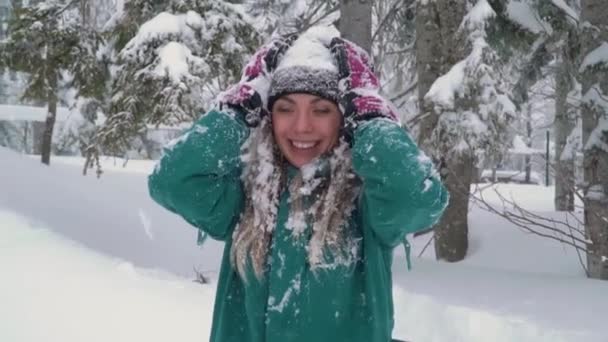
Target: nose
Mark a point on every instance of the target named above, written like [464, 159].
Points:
[303, 122]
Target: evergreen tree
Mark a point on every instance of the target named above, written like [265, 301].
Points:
[170, 71]
[126, 21]
[552, 36]
[594, 80]
[47, 41]
[464, 103]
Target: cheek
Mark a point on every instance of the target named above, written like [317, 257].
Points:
[278, 132]
[278, 126]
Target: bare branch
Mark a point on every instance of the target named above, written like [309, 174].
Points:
[391, 11]
[404, 50]
[411, 88]
[428, 243]
[522, 219]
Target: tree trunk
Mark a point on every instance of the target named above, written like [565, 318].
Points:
[563, 126]
[148, 145]
[47, 135]
[595, 86]
[26, 135]
[451, 233]
[356, 22]
[85, 13]
[438, 48]
[36, 133]
[428, 65]
[527, 159]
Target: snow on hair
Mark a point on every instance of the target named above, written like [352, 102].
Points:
[329, 181]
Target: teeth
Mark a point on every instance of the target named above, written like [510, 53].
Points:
[303, 145]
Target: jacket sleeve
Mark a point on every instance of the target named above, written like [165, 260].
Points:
[198, 176]
[402, 193]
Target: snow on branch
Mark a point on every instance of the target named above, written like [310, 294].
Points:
[595, 57]
[569, 11]
[474, 110]
[527, 17]
[599, 136]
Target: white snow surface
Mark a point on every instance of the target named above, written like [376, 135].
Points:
[522, 13]
[86, 259]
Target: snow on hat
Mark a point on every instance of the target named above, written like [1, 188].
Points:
[307, 67]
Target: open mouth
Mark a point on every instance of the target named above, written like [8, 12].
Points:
[304, 145]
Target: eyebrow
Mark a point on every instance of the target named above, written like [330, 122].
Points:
[290, 100]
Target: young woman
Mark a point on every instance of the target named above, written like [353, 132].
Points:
[304, 171]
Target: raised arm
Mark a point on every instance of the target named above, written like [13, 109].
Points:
[198, 177]
[402, 193]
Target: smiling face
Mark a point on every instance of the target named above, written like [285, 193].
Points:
[305, 126]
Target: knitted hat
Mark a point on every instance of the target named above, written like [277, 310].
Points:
[307, 67]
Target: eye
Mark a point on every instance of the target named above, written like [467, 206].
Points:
[283, 109]
[322, 111]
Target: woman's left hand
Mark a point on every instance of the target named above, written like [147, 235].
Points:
[360, 99]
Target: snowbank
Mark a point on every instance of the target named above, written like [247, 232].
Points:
[113, 214]
[86, 259]
[56, 290]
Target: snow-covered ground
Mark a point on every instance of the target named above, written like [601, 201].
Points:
[87, 259]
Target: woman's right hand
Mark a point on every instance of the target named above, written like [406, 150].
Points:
[250, 93]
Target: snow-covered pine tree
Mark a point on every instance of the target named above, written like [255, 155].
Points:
[172, 69]
[549, 30]
[47, 41]
[129, 16]
[594, 75]
[463, 98]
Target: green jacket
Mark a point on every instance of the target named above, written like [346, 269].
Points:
[199, 179]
